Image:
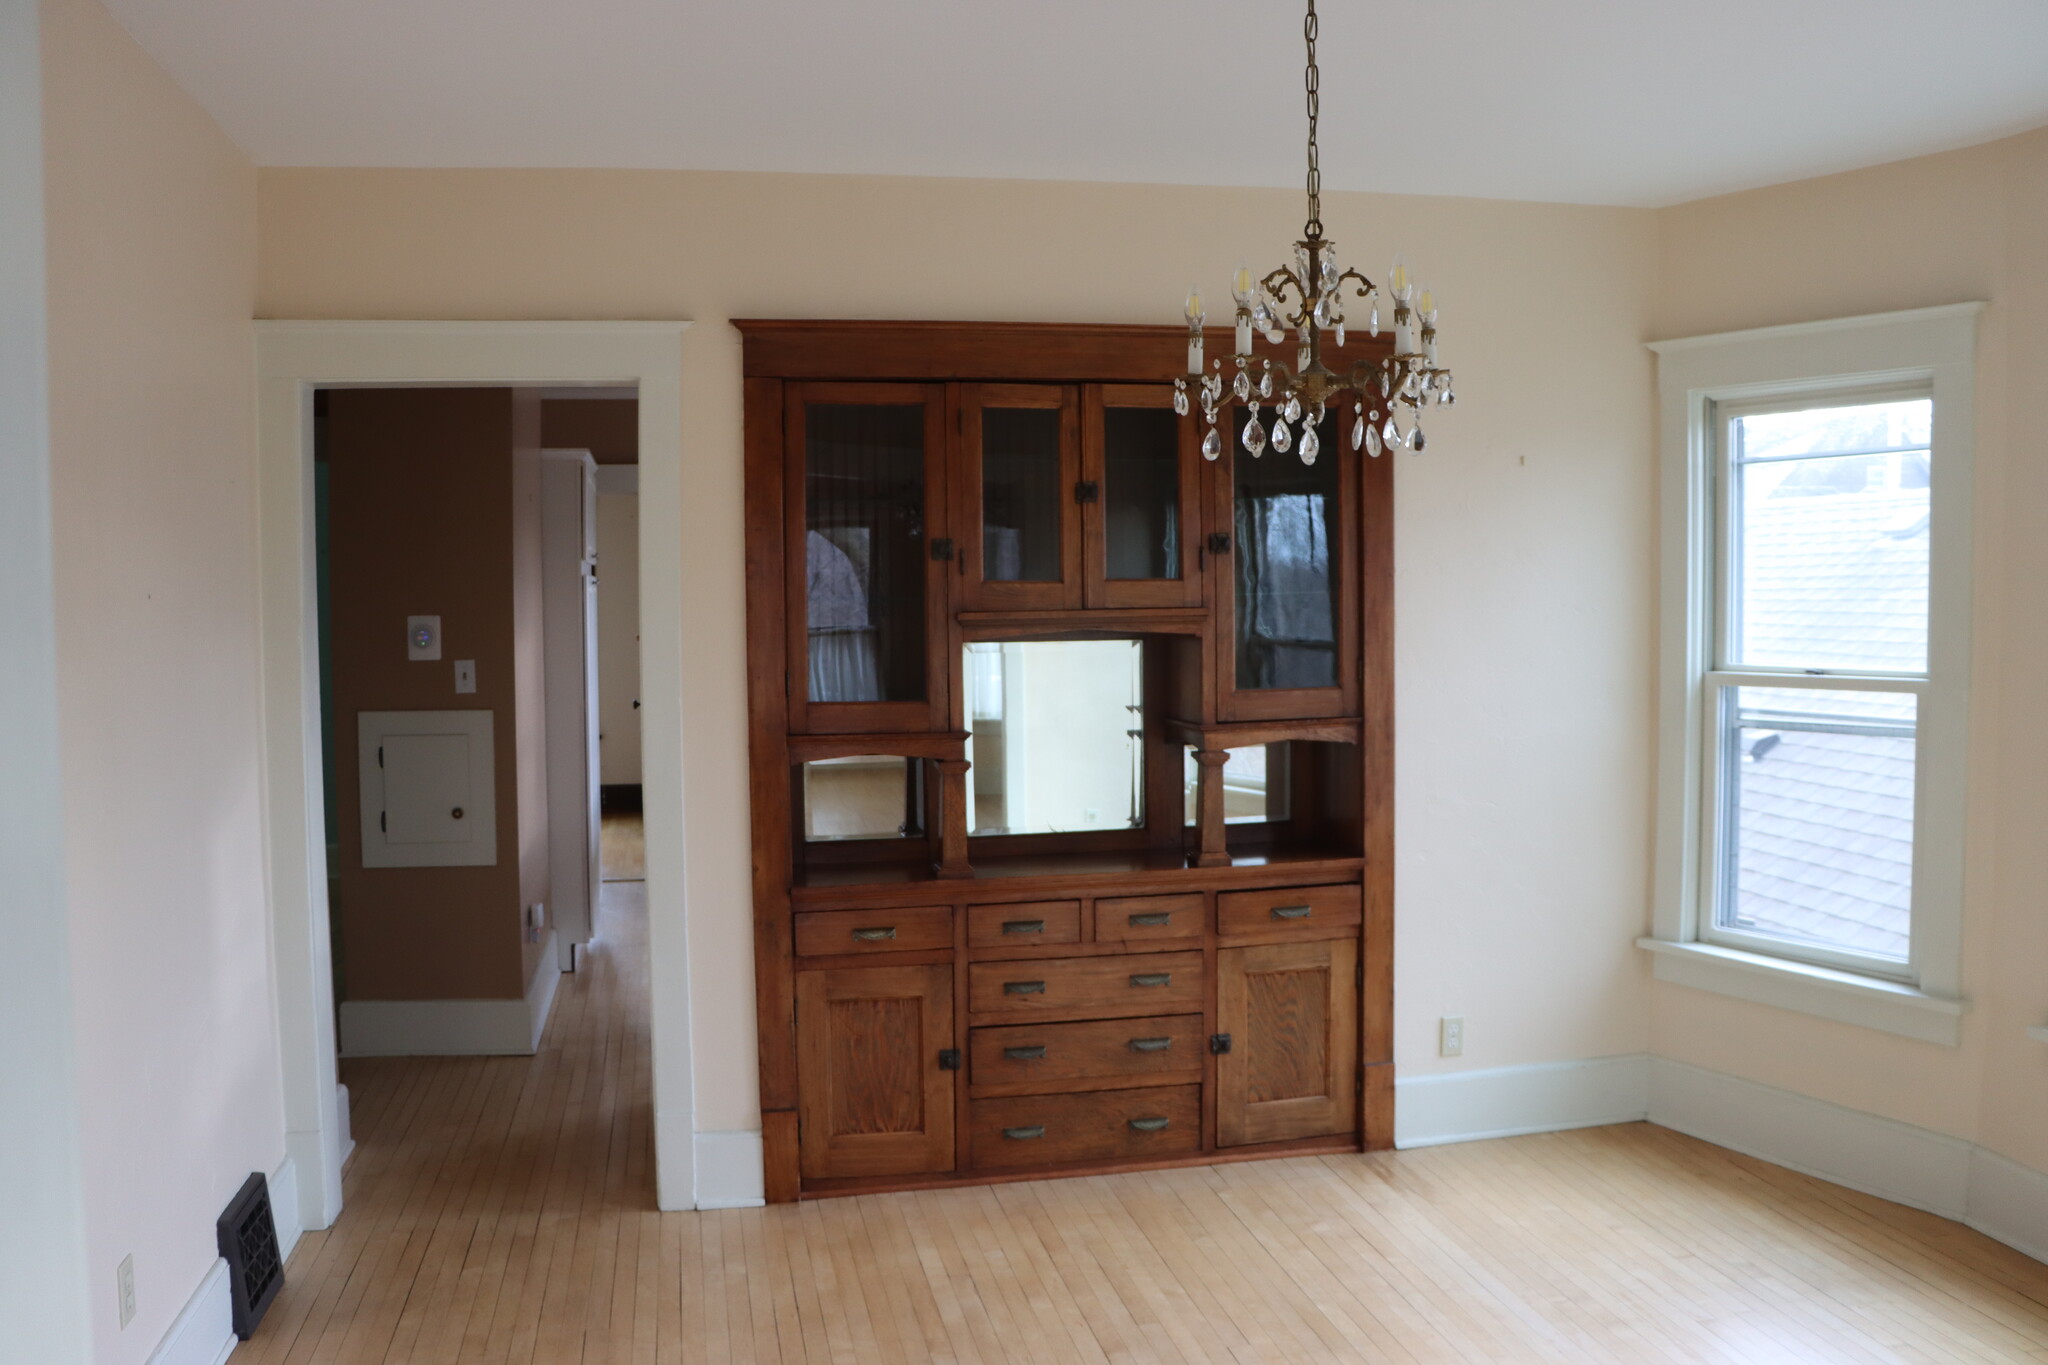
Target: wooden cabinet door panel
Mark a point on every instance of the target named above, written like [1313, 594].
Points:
[1291, 1010]
[1017, 504]
[871, 1096]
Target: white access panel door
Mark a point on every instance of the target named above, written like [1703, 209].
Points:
[569, 602]
[429, 797]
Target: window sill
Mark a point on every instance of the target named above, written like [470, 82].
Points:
[1890, 1006]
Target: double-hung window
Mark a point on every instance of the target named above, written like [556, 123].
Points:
[1815, 666]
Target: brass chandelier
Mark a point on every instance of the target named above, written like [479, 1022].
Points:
[1308, 298]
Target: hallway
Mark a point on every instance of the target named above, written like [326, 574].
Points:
[500, 1210]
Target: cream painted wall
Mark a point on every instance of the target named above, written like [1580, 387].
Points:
[1524, 536]
[152, 254]
[1971, 224]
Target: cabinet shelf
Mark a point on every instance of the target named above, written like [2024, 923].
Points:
[1069, 872]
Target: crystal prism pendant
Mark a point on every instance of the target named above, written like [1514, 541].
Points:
[1375, 318]
[1255, 435]
[1340, 336]
[1385, 386]
[1358, 432]
[1282, 438]
[1266, 381]
[1373, 446]
[1292, 409]
[1415, 440]
[1180, 401]
[1311, 445]
[1391, 432]
[1212, 445]
[1241, 385]
[1322, 312]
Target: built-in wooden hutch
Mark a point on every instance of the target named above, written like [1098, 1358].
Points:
[1072, 786]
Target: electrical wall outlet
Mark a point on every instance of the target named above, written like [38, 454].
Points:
[124, 1284]
[536, 921]
[1450, 1036]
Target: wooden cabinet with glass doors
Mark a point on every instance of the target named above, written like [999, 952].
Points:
[1071, 769]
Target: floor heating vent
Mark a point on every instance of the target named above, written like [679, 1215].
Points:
[248, 1243]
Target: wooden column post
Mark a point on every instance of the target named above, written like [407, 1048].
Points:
[953, 817]
[1209, 808]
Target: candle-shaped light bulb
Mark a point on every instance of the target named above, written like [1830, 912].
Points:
[1194, 309]
[1241, 285]
[1426, 305]
[1400, 281]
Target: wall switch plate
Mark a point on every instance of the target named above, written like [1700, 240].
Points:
[465, 675]
[1450, 1039]
[124, 1284]
[422, 637]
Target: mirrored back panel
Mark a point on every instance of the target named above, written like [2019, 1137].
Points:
[1056, 735]
[869, 796]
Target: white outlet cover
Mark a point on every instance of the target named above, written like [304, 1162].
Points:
[422, 637]
[465, 675]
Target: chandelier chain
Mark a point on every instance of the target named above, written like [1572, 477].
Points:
[1311, 84]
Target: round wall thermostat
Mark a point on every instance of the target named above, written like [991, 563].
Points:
[422, 637]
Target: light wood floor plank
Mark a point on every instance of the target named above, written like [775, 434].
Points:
[500, 1212]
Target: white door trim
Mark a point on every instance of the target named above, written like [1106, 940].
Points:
[292, 359]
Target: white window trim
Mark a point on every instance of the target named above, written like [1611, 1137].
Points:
[1932, 346]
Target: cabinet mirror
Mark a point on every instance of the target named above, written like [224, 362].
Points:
[1055, 735]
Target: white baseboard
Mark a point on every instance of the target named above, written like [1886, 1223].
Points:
[729, 1171]
[2008, 1201]
[1465, 1106]
[204, 1332]
[284, 1206]
[344, 1130]
[1942, 1174]
[453, 1028]
[1879, 1156]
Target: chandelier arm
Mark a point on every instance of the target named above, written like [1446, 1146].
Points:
[1365, 286]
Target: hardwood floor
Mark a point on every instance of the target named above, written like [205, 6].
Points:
[499, 1211]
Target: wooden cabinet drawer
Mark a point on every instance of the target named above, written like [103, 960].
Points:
[1146, 919]
[1288, 912]
[1025, 1059]
[1087, 987]
[1028, 925]
[826, 933]
[1105, 1125]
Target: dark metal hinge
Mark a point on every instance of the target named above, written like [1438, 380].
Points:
[949, 1059]
[1219, 542]
[942, 548]
[1087, 492]
[1219, 1043]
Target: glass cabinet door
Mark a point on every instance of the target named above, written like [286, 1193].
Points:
[1019, 497]
[1291, 645]
[865, 592]
[1141, 528]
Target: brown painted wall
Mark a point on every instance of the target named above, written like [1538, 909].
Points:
[609, 428]
[422, 495]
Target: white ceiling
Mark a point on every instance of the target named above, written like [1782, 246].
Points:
[1590, 101]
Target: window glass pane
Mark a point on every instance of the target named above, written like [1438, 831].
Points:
[1055, 735]
[1020, 495]
[865, 797]
[1254, 784]
[1817, 824]
[1285, 561]
[1831, 537]
[864, 551]
[1141, 492]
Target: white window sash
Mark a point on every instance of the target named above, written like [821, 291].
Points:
[1927, 350]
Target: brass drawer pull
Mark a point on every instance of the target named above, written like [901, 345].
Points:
[875, 935]
[1151, 1044]
[1036, 1130]
[1023, 988]
[1151, 978]
[1024, 1054]
[1292, 911]
[1151, 919]
[1023, 926]
[1150, 1125]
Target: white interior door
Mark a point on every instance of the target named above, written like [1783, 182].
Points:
[569, 565]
